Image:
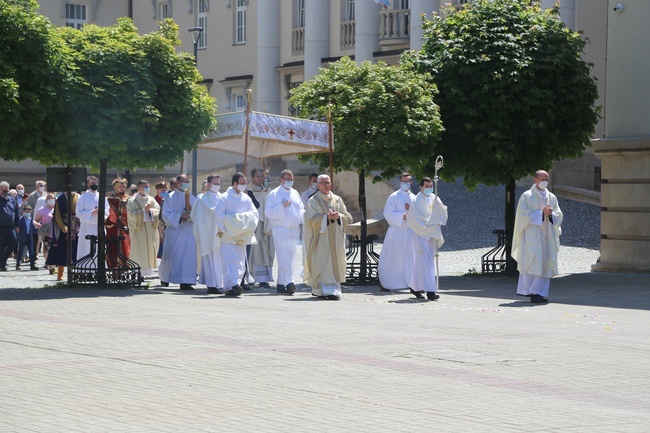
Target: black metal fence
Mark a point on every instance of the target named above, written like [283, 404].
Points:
[353, 258]
[121, 271]
[494, 261]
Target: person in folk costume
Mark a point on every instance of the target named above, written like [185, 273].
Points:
[87, 211]
[426, 215]
[179, 262]
[58, 254]
[207, 242]
[536, 239]
[285, 212]
[326, 221]
[144, 217]
[117, 225]
[237, 220]
[261, 254]
[394, 268]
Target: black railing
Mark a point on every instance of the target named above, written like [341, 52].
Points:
[120, 270]
[494, 261]
[353, 257]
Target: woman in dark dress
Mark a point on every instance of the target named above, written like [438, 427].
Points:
[58, 254]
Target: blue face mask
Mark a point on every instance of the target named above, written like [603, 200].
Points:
[428, 191]
[164, 194]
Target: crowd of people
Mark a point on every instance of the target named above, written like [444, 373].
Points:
[229, 240]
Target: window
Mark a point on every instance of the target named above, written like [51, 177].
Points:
[163, 13]
[202, 21]
[240, 22]
[300, 13]
[349, 10]
[75, 15]
[293, 111]
[240, 101]
[403, 4]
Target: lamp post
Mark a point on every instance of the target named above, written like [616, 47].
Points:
[196, 36]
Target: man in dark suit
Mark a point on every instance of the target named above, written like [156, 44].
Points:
[26, 238]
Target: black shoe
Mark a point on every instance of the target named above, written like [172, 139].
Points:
[432, 296]
[33, 268]
[246, 287]
[333, 298]
[164, 283]
[383, 289]
[281, 289]
[538, 299]
[291, 288]
[18, 267]
[186, 287]
[235, 291]
[418, 295]
[265, 285]
[214, 291]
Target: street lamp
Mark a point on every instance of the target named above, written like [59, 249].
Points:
[196, 36]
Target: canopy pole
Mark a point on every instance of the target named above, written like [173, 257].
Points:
[249, 91]
[329, 141]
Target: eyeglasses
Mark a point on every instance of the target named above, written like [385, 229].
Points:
[325, 183]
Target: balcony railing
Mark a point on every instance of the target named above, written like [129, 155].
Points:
[298, 40]
[347, 34]
[394, 24]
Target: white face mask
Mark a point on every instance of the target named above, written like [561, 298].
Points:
[185, 185]
[314, 185]
[543, 184]
[20, 192]
[41, 189]
[288, 184]
[51, 202]
[241, 188]
[215, 188]
[146, 190]
[406, 186]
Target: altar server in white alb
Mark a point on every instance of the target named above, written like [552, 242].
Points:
[87, 210]
[395, 269]
[536, 239]
[205, 233]
[260, 255]
[426, 216]
[285, 212]
[179, 261]
[237, 220]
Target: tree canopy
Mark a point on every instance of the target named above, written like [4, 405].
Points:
[32, 68]
[515, 94]
[384, 117]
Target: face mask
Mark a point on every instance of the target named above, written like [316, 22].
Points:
[405, 186]
[241, 188]
[146, 191]
[288, 184]
[41, 189]
[185, 185]
[428, 191]
[93, 187]
[4, 193]
[164, 194]
[51, 202]
[20, 192]
[215, 188]
[27, 214]
[543, 184]
[314, 185]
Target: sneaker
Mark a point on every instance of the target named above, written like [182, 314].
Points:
[418, 295]
[236, 291]
[432, 296]
[291, 288]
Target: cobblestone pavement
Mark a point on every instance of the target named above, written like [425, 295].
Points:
[480, 359]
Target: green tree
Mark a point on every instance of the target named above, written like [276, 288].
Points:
[384, 118]
[32, 66]
[515, 94]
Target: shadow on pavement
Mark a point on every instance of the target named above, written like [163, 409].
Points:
[45, 293]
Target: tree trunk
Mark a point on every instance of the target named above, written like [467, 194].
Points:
[101, 236]
[511, 264]
[363, 265]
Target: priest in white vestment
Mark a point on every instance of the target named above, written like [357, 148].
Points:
[326, 221]
[426, 216]
[285, 212]
[261, 255]
[208, 243]
[179, 260]
[237, 219]
[395, 265]
[536, 239]
[143, 217]
[87, 210]
[313, 189]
